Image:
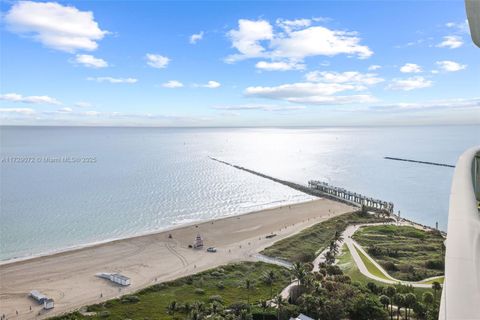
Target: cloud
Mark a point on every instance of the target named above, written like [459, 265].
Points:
[292, 40]
[172, 84]
[65, 110]
[246, 39]
[279, 66]
[451, 42]
[157, 61]
[15, 97]
[262, 107]
[83, 104]
[20, 111]
[472, 103]
[460, 27]
[374, 67]
[411, 83]
[90, 61]
[450, 66]
[113, 80]
[194, 38]
[56, 26]
[411, 68]
[350, 77]
[311, 93]
[210, 84]
[289, 25]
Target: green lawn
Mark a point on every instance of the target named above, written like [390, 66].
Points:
[304, 246]
[346, 263]
[371, 267]
[226, 284]
[439, 280]
[405, 252]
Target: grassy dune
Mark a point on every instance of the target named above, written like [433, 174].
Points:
[304, 246]
[225, 285]
[406, 253]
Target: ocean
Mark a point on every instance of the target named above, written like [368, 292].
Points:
[64, 187]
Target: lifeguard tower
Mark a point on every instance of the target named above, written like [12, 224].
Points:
[198, 242]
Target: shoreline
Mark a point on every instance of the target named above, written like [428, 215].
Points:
[68, 277]
[142, 234]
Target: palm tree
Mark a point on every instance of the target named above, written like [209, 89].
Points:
[338, 236]
[270, 278]
[410, 300]
[264, 306]
[299, 272]
[385, 301]
[279, 302]
[329, 257]
[436, 287]
[248, 286]
[334, 247]
[427, 298]
[390, 292]
[399, 300]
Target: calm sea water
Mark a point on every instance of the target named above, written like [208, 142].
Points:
[147, 179]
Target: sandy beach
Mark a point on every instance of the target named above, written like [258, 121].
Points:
[69, 277]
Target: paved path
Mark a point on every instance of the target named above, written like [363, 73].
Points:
[353, 247]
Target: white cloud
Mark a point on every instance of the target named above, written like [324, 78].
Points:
[350, 77]
[262, 107]
[451, 42]
[374, 67]
[65, 110]
[461, 27]
[473, 103]
[246, 39]
[157, 61]
[113, 80]
[90, 61]
[15, 97]
[279, 65]
[411, 68]
[56, 26]
[194, 38]
[311, 93]
[21, 111]
[172, 84]
[450, 66]
[83, 104]
[92, 113]
[411, 83]
[296, 40]
[210, 84]
[289, 25]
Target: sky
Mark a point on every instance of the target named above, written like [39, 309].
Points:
[227, 63]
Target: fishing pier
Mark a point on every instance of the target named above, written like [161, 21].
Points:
[324, 190]
[351, 197]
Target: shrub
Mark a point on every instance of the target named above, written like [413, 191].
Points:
[130, 299]
[435, 264]
[216, 298]
[199, 291]
[389, 266]
[104, 314]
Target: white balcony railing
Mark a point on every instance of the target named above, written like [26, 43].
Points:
[461, 290]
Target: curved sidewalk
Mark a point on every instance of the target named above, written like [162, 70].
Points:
[354, 246]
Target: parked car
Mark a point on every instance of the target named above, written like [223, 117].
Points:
[212, 249]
